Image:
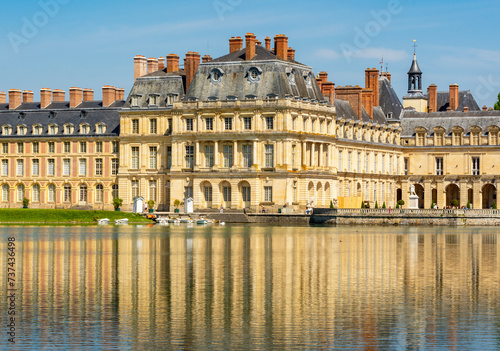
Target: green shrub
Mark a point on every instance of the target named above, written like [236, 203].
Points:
[494, 205]
[401, 202]
[383, 205]
[397, 205]
[117, 202]
[432, 205]
[454, 202]
[363, 204]
[468, 204]
[331, 204]
[376, 204]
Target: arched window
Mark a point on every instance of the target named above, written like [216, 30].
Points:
[5, 193]
[99, 193]
[51, 193]
[83, 193]
[35, 196]
[20, 193]
[67, 193]
[114, 191]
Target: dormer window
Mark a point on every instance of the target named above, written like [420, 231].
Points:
[213, 98]
[254, 74]
[272, 96]
[171, 98]
[84, 129]
[68, 129]
[21, 130]
[232, 97]
[308, 78]
[134, 102]
[216, 75]
[52, 129]
[153, 99]
[6, 130]
[52, 115]
[100, 128]
[291, 76]
[250, 97]
[37, 130]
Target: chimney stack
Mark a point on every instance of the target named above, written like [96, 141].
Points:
[432, 90]
[3, 97]
[354, 96]
[466, 108]
[281, 46]
[14, 98]
[485, 108]
[28, 96]
[387, 75]
[45, 97]
[172, 63]
[58, 95]
[152, 64]
[235, 44]
[206, 58]
[328, 91]
[191, 66]
[108, 95]
[88, 95]
[120, 94]
[75, 97]
[291, 54]
[323, 76]
[371, 82]
[140, 66]
[368, 98]
[161, 63]
[454, 97]
[250, 46]
[268, 43]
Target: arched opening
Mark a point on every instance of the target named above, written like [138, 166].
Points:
[83, 194]
[310, 191]
[20, 193]
[328, 195]
[489, 195]
[399, 195]
[245, 194]
[206, 191]
[225, 189]
[99, 193]
[452, 193]
[319, 192]
[358, 190]
[35, 193]
[5, 193]
[419, 190]
[434, 196]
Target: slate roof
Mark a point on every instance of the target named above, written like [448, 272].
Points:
[414, 69]
[448, 120]
[344, 110]
[465, 98]
[261, 54]
[388, 99]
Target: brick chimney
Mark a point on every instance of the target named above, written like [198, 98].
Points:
[268, 43]
[235, 44]
[28, 96]
[259, 43]
[75, 97]
[45, 97]
[485, 108]
[140, 66]
[323, 76]
[291, 54]
[172, 63]
[152, 65]
[88, 95]
[120, 94]
[108, 95]
[281, 46]
[191, 66]
[250, 40]
[328, 91]
[432, 90]
[454, 97]
[387, 75]
[14, 98]
[354, 96]
[3, 97]
[371, 82]
[367, 98]
[206, 58]
[161, 63]
[58, 95]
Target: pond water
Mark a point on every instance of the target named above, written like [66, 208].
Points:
[253, 287]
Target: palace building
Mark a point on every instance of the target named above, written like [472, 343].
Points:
[249, 129]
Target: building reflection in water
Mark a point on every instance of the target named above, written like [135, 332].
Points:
[257, 287]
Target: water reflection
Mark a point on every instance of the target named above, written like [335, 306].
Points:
[256, 287]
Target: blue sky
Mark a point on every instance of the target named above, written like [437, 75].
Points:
[58, 44]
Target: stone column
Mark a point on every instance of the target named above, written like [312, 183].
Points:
[441, 198]
[464, 194]
[321, 163]
[312, 159]
[235, 155]
[427, 194]
[304, 152]
[255, 155]
[476, 194]
[216, 155]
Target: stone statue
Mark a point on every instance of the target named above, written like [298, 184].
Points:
[412, 190]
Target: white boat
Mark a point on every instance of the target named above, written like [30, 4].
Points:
[103, 221]
[121, 221]
[162, 220]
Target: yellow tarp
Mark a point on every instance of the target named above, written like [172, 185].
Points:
[350, 202]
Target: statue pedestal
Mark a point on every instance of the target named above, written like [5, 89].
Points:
[413, 205]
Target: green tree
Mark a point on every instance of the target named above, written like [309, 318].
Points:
[432, 205]
[497, 104]
[331, 204]
[468, 204]
[376, 204]
[383, 205]
[362, 204]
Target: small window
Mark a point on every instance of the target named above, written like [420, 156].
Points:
[209, 124]
[100, 129]
[247, 121]
[66, 166]
[84, 129]
[216, 76]
[439, 166]
[51, 167]
[52, 147]
[269, 123]
[35, 167]
[228, 123]
[254, 75]
[83, 146]
[67, 147]
[67, 129]
[83, 167]
[189, 124]
[20, 148]
[135, 157]
[153, 100]
[98, 166]
[98, 147]
[35, 147]
[475, 166]
[135, 126]
[152, 125]
[52, 129]
[114, 166]
[115, 146]
[135, 101]
[268, 194]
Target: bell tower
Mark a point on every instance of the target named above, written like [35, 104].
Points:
[414, 98]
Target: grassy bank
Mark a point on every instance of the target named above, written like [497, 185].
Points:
[20, 215]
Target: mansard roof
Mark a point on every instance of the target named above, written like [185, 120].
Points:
[388, 99]
[465, 98]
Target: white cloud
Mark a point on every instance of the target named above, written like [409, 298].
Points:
[387, 54]
[328, 54]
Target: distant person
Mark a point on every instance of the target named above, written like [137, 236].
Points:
[221, 209]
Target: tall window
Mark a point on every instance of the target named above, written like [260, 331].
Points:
[209, 155]
[135, 188]
[20, 167]
[228, 123]
[407, 165]
[98, 166]
[169, 128]
[51, 193]
[35, 167]
[83, 193]
[189, 156]
[5, 193]
[52, 147]
[135, 157]
[247, 123]
[5, 148]
[152, 125]
[35, 193]
[115, 146]
[115, 164]
[189, 124]
[439, 166]
[269, 123]
[135, 126]
[207, 193]
[153, 156]
[98, 147]
[475, 166]
[66, 167]
[247, 155]
[349, 160]
[83, 146]
[20, 148]
[226, 193]
[268, 194]
[36, 147]
[20, 193]
[269, 155]
[5, 167]
[114, 191]
[169, 157]
[51, 167]
[294, 151]
[340, 160]
[99, 193]
[382, 162]
[245, 193]
[67, 147]
[83, 167]
[228, 155]
[209, 123]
